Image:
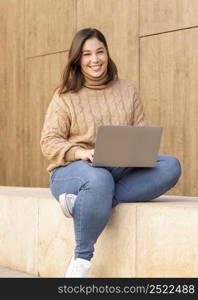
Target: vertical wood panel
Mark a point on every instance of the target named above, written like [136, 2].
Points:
[12, 91]
[166, 15]
[169, 89]
[118, 20]
[50, 25]
[42, 76]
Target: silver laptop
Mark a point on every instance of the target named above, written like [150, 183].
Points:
[127, 146]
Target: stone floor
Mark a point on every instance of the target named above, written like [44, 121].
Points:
[9, 273]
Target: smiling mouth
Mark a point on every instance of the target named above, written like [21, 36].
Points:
[96, 67]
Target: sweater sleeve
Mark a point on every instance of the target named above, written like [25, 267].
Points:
[139, 118]
[54, 143]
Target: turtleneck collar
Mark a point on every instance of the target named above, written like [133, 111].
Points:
[98, 83]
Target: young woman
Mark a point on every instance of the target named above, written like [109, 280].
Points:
[91, 94]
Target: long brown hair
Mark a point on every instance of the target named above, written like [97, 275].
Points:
[72, 78]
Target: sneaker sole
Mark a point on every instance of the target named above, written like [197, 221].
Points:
[64, 205]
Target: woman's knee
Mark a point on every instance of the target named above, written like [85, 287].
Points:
[172, 168]
[96, 195]
[101, 181]
[175, 166]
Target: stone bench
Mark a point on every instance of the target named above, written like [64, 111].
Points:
[155, 239]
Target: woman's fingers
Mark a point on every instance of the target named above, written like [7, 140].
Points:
[91, 158]
[92, 151]
[91, 154]
[85, 154]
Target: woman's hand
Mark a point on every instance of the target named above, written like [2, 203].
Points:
[84, 154]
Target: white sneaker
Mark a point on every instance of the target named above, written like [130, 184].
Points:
[78, 268]
[67, 203]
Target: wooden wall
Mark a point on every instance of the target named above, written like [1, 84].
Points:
[169, 80]
[154, 44]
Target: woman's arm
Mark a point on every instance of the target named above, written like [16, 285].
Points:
[54, 144]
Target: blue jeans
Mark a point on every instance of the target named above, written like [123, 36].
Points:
[99, 189]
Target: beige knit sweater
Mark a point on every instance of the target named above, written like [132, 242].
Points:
[72, 119]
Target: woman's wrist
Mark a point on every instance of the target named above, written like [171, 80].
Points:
[77, 154]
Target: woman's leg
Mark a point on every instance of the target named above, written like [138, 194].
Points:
[144, 184]
[94, 188]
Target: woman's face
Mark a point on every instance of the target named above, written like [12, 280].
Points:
[94, 58]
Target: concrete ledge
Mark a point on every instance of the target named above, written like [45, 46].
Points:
[9, 273]
[155, 239]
